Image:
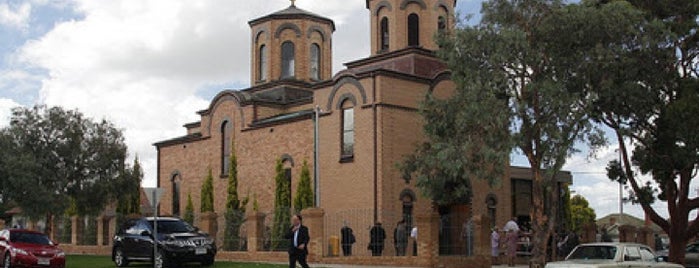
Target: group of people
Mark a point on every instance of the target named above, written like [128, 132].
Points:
[509, 240]
[402, 235]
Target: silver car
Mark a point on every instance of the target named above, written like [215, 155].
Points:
[627, 255]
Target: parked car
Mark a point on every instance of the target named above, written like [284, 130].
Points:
[24, 248]
[691, 255]
[178, 243]
[625, 255]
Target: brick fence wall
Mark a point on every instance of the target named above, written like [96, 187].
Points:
[314, 218]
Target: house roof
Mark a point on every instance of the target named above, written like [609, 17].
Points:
[626, 219]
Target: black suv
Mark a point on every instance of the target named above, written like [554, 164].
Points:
[178, 243]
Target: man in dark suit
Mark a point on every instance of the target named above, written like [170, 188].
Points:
[298, 242]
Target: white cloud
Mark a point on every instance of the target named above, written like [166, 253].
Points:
[141, 64]
[6, 106]
[15, 16]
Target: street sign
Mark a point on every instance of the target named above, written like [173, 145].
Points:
[153, 195]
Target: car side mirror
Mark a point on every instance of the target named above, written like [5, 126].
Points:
[146, 233]
[55, 243]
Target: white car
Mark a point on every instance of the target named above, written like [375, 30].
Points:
[596, 255]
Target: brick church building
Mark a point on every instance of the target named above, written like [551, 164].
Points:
[366, 118]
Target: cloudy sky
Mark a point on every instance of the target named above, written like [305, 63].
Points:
[149, 65]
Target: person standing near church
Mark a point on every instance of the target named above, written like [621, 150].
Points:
[298, 246]
[400, 238]
[377, 235]
[347, 239]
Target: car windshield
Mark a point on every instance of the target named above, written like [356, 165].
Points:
[172, 227]
[593, 253]
[29, 238]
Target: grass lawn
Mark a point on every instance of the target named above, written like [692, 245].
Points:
[84, 261]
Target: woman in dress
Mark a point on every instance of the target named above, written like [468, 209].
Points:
[494, 245]
[512, 239]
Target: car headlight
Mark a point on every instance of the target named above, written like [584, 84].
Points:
[60, 254]
[19, 251]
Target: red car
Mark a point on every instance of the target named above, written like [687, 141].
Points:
[24, 248]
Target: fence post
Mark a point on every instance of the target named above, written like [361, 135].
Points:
[428, 238]
[112, 225]
[313, 218]
[208, 224]
[255, 222]
[76, 230]
[100, 230]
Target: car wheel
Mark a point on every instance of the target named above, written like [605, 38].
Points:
[119, 258]
[7, 262]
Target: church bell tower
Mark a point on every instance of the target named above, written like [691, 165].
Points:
[291, 44]
[400, 24]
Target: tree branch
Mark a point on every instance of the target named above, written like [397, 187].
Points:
[654, 216]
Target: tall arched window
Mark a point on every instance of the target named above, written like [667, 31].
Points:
[413, 30]
[384, 37]
[176, 183]
[347, 130]
[441, 24]
[288, 59]
[315, 62]
[226, 130]
[262, 64]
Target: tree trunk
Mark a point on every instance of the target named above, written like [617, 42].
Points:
[539, 220]
[678, 242]
[49, 225]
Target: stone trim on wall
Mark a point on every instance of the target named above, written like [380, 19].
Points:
[405, 3]
[287, 26]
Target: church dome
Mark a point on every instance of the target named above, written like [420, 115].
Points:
[293, 12]
[291, 44]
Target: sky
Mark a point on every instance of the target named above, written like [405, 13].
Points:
[149, 65]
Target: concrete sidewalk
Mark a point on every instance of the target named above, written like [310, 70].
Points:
[360, 266]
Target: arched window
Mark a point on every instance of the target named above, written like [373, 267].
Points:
[262, 64]
[413, 30]
[176, 183]
[226, 130]
[384, 37]
[315, 62]
[347, 130]
[288, 59]
[441, 24]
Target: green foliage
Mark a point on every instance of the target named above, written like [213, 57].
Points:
[513, 92]
[207, 194]
[232, 200]
[235, 208]
[255, 203]
[282, 207]
[649, 97]
[130, 201]
[189, 210]
[50, 155]
[581, 213]
[304, 192]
